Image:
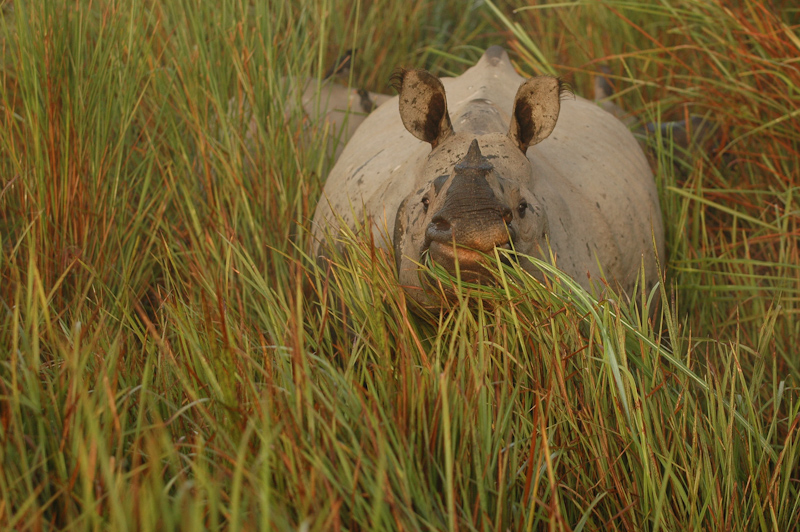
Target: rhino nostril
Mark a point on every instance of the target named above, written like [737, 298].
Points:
[508, 241]
[439, 230]
[440, 224]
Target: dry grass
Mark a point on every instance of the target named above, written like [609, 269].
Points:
[174, 361]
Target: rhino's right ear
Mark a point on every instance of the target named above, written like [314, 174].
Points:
[536, 109]
[423, 105]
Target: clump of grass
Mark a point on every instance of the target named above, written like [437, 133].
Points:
[730, 207]
[175, 361]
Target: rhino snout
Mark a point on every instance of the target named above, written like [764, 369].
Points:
[439, 230]
[464, 239]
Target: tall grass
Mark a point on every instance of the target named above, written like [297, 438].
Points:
[172, 360]
[732, 207]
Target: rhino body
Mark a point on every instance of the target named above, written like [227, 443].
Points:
[340, 108]
[512, 164]
[333, 107]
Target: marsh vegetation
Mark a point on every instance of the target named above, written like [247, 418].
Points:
[171, 359]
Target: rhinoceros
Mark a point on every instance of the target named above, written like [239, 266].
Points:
[452, 168]
[338, 109]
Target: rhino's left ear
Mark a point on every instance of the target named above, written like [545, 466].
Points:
[536, 109]
[423, 105]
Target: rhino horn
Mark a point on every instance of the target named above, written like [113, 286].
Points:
[423, 105]
[536, 108]
[473, 160]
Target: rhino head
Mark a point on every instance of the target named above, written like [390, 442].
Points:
[476, 182]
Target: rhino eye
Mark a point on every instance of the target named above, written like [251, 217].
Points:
[521, 208]
[425, 203]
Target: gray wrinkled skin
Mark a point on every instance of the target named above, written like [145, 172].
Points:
[459, 166]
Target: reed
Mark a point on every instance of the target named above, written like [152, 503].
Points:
[172, 358]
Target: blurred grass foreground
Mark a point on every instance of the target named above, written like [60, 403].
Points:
[171, 359]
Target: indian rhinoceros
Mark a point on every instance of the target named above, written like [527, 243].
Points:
[331, 107]
[452, 168]
[339, 108]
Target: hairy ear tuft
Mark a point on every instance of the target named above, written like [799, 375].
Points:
[536, 109]
[423, 105]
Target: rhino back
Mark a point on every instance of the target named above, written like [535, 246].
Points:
[380, 156]
[597, 189]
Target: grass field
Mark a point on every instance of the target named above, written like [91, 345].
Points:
[170, 359]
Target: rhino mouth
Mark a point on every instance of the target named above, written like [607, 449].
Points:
[469, 264]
